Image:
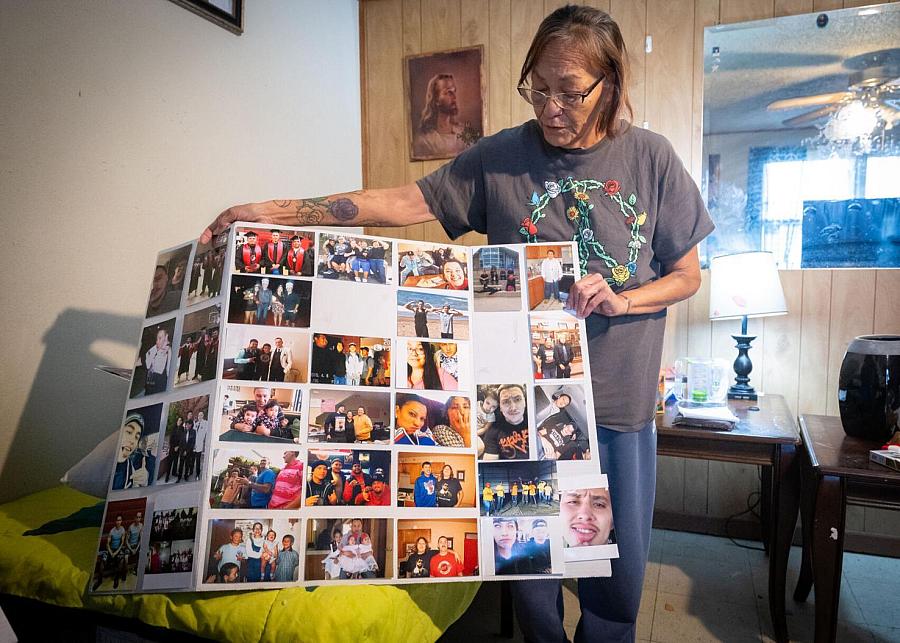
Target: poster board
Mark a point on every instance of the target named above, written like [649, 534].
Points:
[313, 407]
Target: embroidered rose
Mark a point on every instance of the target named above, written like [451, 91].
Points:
[641, 218]
[528, 226]
[572, 213]
[621, 274]
[581, 196]
[343, 209]
[632, 267]
[587, 234]
[552, 189]
[630, 219]
[611, 187]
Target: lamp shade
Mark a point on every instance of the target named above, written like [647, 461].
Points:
[745, 283]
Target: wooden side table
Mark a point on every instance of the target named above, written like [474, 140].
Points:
[836, 471]
[767, 436]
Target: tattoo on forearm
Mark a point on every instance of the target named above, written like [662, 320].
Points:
[314, 211]
[284, 203]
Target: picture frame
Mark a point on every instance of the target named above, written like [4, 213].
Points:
[441, 125]
[228, 14]
[461, 475]
[450, 542]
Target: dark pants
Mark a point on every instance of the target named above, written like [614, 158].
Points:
[609, 606]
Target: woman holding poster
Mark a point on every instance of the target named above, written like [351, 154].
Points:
[580, 171]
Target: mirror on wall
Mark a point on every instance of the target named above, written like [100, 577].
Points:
[801, 137]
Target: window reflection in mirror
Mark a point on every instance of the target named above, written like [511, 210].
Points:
[801, 137]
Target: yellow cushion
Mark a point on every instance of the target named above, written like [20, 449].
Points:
[55, 569]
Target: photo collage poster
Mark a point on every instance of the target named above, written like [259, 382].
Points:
[322, 407]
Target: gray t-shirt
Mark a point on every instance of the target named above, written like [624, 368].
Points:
[629, 203]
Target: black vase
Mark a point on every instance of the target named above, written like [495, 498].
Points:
[869, 387]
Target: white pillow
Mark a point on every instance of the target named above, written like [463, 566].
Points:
[91, 474]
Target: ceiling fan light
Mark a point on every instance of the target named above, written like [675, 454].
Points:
[852, 121]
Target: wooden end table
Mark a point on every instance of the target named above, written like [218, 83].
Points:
[767, 436]
[836, 470]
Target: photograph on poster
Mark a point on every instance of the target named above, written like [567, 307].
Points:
[437, 547]
[352, 258]
[269, 301]
[348, 548]
[207, 271]
[153, 363]
[168, 281]
[522, 546]
[516, 489]
[333, 414]
[198, 350]
[182, 448]
[429, 314]
[587, 518]
[502, 422]
[561, 422]
[265, 354]
[137, 448]
[445, 95]
[433, 479]
[247, 478]
[551, 272]
[436, 366]
[430, 265]
[555, 348]
[260, 414]
[351, 477]
[351, 360]
[252, 550]
[171, 544]
[499, 284]
[116, 566]
[263, 251]
[432, 419]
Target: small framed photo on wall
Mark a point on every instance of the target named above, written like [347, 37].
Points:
[228, 14]
[445, 102]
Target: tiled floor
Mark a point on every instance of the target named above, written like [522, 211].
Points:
[703, 588]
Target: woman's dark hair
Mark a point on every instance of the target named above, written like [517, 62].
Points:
[596, 36]
[430, 377]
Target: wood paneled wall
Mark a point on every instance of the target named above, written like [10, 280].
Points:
[797, 355]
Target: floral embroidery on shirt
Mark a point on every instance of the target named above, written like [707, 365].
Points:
[579, 215]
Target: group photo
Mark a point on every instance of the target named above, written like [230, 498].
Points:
[555, 348]
[269, 301]
[265, 354]
[116, 565]
[432, 315]
[248, 550]
[171, 545]
[348, 548]
[437, 366]
[184, 445]
[523, 546]
[207, 270]
[154, 361]
[437, 548]
[260, 414]
[497, 277]
[354, 258]
[432, 419]
[246, 478]
[431, 479]
[265, 251]
[198, 351]
[168, 281]
[348, 477]
[138, 447]
[429, 265]
[562, 422]
[351, 360]
[551, 272]
[349, 416]
[501, 418]
[518, 488]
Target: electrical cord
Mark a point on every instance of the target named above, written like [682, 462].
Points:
[753, 500]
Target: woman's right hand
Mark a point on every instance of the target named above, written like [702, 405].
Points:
[252, 212]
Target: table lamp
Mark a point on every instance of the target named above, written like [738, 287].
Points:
[742, 285]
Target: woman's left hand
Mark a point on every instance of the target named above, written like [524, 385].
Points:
[592, 294]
